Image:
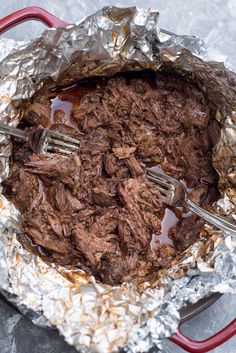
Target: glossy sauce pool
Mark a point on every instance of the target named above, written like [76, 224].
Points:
[67, 100]
[172, 217]
[62, 113]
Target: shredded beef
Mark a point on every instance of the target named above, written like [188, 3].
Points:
[97, 210]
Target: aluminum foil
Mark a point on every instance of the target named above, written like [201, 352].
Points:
[91, 316]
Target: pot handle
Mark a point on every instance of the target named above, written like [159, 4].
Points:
[30, 13]
[206, 345]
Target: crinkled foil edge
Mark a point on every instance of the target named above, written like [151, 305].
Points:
[91, 316]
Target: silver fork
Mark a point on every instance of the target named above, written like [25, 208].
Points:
[172, 192]
[44, 140]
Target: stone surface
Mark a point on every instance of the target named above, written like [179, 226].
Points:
[19, 335]
[215, 22]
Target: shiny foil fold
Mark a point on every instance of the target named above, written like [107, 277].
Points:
[91, 316]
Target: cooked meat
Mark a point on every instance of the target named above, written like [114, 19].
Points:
[189, 227]
[97, 210]
[39, 112]
[67, 170]
[123, 152]
[214, 131]
[134, 166]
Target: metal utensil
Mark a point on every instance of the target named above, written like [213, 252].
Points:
[44, 140]
[173, 191]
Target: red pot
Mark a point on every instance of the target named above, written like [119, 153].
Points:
[179, 338]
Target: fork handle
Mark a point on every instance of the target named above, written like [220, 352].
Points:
[217, 221]
[12, 131]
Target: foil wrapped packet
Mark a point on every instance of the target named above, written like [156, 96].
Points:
[91, 316]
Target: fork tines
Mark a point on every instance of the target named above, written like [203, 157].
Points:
[163, 179]
[61, 143]
[158, 177]
[164, 185]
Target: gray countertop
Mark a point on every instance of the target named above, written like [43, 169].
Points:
[19, 335]
[215, 22]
